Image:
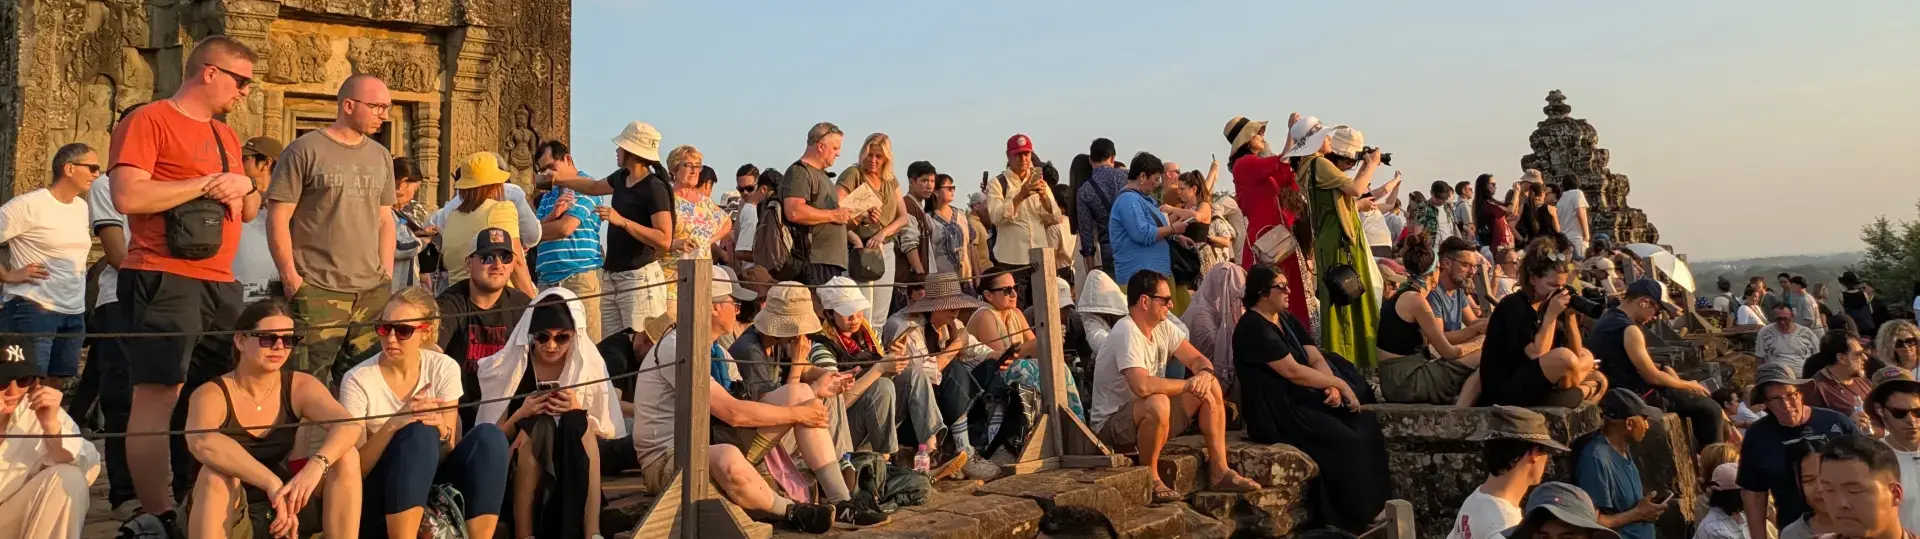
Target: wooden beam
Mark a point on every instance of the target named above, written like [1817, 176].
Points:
[1059, 433]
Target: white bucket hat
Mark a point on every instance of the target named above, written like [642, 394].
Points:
[1306, 135]
[1347, 141]
[840, 296]
[641, 140]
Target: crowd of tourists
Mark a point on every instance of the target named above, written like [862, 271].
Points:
[341, 358]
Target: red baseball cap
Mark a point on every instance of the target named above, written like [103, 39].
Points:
[1019, 144]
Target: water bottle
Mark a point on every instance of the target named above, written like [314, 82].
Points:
[922, 462]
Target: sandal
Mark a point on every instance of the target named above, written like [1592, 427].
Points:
[1234, 483]
[1164, 494]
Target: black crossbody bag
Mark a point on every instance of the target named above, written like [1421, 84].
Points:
[195, 228]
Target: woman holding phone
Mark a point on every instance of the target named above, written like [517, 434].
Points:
[557, 427]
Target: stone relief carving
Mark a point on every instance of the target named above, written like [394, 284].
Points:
[520, 145]
[298, 58]
[406, 67]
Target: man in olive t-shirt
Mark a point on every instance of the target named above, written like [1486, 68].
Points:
[329, 189]
[809, 199]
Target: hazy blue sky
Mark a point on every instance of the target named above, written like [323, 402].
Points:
[1748, 128]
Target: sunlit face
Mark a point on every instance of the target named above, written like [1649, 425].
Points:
[82, 171]
[1276, 298]
[844, 323]
[551, 346]
[686, 175]
[1546, 284]
[921, 187]
[368, 110]
[1851, 363]
[1637, 428]
[489, 272]
[229, 81]
[15, 392]
[268, 345]
[1159, 303]
[870, 163]
[1553, 528]
[1001, 294]
[1906, 347]
[1456, 270]
[1020, 163]
[830, 147]
[944, 193]
[400, 338]
[1810, 483]
[1787, 404]
[1859, 502]
[1783, 314]
[1901, 415]
[1259, 142]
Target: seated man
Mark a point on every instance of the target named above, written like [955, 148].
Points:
[793, 408]
[1515, 447]
[1785, 342]
[558, 428]
[1607, 472]
[1135, 407]
[1422, 362]
[1557, 510]
[1620, 344]
[47, 497]
[1533, 354]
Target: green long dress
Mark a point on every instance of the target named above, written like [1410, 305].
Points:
[1347, 330]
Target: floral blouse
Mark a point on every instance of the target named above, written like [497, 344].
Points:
[697, 222]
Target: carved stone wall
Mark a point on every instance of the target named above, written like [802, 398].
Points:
[1569, 148]
[466, 75]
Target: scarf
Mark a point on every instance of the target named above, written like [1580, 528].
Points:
[500, 373]
[1213, 314]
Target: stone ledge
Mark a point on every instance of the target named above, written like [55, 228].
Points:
[1402, 423]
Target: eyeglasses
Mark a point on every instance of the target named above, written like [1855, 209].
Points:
[1899, 413]
[379, 109]
[397, 331]
[555, 337]
[1009, 289]
[1792, 395]
[240, 82]
[1904, 343]
[495, 258]
[93, 169]
[275, 340]
[1164, 300]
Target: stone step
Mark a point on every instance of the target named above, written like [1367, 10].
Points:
[1152, 522]
[1111, 492]
[1271, 465]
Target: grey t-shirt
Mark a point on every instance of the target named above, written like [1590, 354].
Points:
[341, 195]
[827, 242]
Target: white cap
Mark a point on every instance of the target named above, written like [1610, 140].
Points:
[1726, 477]
[840, 296]
[723, 285]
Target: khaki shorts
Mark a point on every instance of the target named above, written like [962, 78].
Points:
[659, 473]
[1122, 433]
[1418, 379]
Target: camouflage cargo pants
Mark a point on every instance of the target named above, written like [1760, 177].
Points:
[327, 354]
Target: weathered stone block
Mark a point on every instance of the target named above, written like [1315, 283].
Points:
[1133, 482]
[1203, 527]
[1435, 468]
[1215, 505]
[1000, 517]
[1182, 473]
[1271, 513]
[1152, 522]
[934, 525]
[958, 486]
[1051, 490]
[1272, 465]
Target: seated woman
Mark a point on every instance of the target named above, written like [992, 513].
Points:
[1533, 354]
[1290, 394]
[1421, 362]
[863, 416]
[557, 429]
[936, 391]
[410, 454]
[245, 472]
[1002, 327]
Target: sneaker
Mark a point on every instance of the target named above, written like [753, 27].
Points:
[859, 512]
[810, 517]
[145, 525]
[982, 469]
[949, 468]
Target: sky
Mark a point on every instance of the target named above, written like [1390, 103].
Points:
[1748, 128]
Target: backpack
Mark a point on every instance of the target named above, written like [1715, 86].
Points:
[444, 516]
[892, 487]
[777, 246]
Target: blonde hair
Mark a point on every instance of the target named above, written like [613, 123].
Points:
[1713, 456]
[1883, 346]
[417, 297]
[878, 143]
[682, 154]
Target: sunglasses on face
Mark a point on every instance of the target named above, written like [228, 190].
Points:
[240, 82]
[555, 337]
[93, 169]
[1009, 289]
[1164, 300]
[1899, 413]
[495, 258]
[24, 382]
[1904, 343]
[270, 340]
[397, 331]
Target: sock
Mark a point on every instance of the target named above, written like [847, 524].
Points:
[780, 506]
[958, 433]
[833, 487]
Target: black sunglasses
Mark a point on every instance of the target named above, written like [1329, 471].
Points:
[1903, 343]
[24, 381]
[495, 258]
[1899, 413]
[240, 82]
[398, 331]
[269, 340]
[1004, 289]
[93, 169]
[556, 337]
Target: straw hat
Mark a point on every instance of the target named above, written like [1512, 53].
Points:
[656, 327]
[641, 140]
[1240, 132]
[788, 312]
[943, 293]
[479, 170]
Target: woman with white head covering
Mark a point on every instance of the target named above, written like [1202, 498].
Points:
[1101, 304]
[1213, 314]
[556, 430]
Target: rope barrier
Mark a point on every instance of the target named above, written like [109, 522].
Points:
[245, 429]
[795, 284]
[1006, 337]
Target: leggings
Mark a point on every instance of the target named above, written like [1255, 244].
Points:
[411, 466]
[564, 474]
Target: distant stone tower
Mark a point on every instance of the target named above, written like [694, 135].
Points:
[1568, 148]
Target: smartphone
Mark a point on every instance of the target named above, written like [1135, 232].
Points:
[547, 386]
[1006, 358]
[1665, 498]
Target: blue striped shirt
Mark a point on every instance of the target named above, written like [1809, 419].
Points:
[559, 259]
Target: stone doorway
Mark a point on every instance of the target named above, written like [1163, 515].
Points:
[305, 114]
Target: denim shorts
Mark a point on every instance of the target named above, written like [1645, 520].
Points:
[57, 356]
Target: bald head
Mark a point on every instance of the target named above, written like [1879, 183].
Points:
[363, 87]
[364, 104]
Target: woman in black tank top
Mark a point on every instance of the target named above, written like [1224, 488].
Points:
[243, 468]
[1409, 373]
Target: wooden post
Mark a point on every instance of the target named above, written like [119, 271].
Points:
[1060, 439]
[689, 509]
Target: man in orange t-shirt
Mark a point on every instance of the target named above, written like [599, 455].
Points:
[164, 155]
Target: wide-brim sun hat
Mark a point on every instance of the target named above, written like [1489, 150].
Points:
[1565, 503]
[1240, 132]
[1300, 131]
[943, 294]
[788, 312]
[1515, 423]
[1316, 135]
[641, 140]
[481, 169]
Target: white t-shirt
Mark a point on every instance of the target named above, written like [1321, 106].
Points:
[100, 204]
[253, 262]
[654, 401]
[1484, 516]
[364, 392]
[1374, 225]
[1748, 315]
[43, 230]
[1126, 347]
[1909, 478]
[749, 222]
[22, 458]
[1570, 204]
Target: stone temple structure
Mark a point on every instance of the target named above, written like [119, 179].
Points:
[1569, 148]
[466, 75]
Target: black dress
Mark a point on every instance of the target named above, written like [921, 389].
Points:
[1354, 483]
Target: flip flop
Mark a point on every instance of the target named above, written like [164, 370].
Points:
[1164, 494]
[1234, 483]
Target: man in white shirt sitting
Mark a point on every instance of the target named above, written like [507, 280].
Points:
[43, 482]
[1514, 450]
[1134, 406]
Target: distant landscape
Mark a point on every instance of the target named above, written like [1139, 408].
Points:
[1818, 268]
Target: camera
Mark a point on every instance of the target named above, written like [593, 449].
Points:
[1386, 158]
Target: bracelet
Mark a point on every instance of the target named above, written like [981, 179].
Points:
[325, 464]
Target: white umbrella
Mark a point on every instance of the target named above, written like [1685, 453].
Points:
[1664, 261]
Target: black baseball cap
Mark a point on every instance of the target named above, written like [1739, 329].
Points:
[492, 240]
[17, 361]
[1649, 288]
[1623, 403]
